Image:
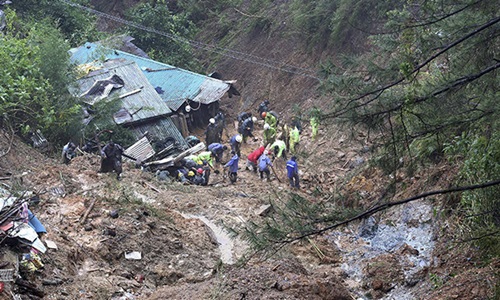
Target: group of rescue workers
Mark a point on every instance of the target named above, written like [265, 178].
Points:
[196, 169]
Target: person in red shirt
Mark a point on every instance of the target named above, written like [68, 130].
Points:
[253, 157]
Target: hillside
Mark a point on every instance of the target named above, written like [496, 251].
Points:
[190, 238]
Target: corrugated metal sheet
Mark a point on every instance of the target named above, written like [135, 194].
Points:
[177, 84]
[160, 130]
[141, 150]
[142, 105]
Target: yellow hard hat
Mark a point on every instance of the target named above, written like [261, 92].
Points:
[190, 173]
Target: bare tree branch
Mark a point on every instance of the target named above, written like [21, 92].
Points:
[380, 90]
[458, 82]
[390, 204]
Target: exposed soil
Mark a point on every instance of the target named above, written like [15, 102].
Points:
[181, 256]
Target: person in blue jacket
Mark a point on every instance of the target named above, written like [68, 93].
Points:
[293, 172]
[217, 150]
[264, 163]
[232, 164]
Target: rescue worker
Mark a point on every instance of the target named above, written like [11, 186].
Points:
[279, 149]
[285, 135]
[293, 172]
[297, 123]
[269, 134]
[270, 119]
[263, 107]
[182, 175]
[276, 116]
[294, 139]
[235, 142]
[220, 124]
[232, 164]
[68, 152]
[253, 158]
[246, 128]
[264, 164]
[192, 140]
[190, 176]
[217, 150]
[111, 158]
[314, 126]
[198, 177]
[206, 158]
[211, 134]
[242, 116]
[190, 162]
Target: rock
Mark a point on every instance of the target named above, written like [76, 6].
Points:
[264, 210]
[88, 228]
[114, 214]
[357, 162]
[340, 155]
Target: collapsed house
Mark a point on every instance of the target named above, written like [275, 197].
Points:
[189, 95]
[142, 110]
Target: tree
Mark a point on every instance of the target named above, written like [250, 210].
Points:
[76, 25]
[33, 85]
[169, 42]
[430, 76]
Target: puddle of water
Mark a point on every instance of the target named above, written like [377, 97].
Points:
[225, 242]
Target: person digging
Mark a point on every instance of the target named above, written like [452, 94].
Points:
[111, 159]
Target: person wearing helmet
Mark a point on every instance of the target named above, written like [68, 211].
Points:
[198, 177]
[264, 164]
[271, 120]
[211, 134]
[220, 124]
[293, 172]
[235, 142]
[232, 164]
[205, 157]
[246, 128]
[182, 175]
[190, 176]
[263, 107]
[269, 134]
[68, 153]
[217, 150]
[242, 116]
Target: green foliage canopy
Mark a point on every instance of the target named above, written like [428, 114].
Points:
[36, 72]
[172, 46]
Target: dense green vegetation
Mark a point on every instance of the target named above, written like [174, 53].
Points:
[424, 74]
[36, 73]
[170, 41]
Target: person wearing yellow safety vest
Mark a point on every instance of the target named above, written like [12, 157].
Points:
[279, 148]
[294, 139]
[314, 126]
[206, 156]
[269, 134]
[270, 119]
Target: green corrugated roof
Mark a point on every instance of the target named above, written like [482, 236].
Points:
[177, 84]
